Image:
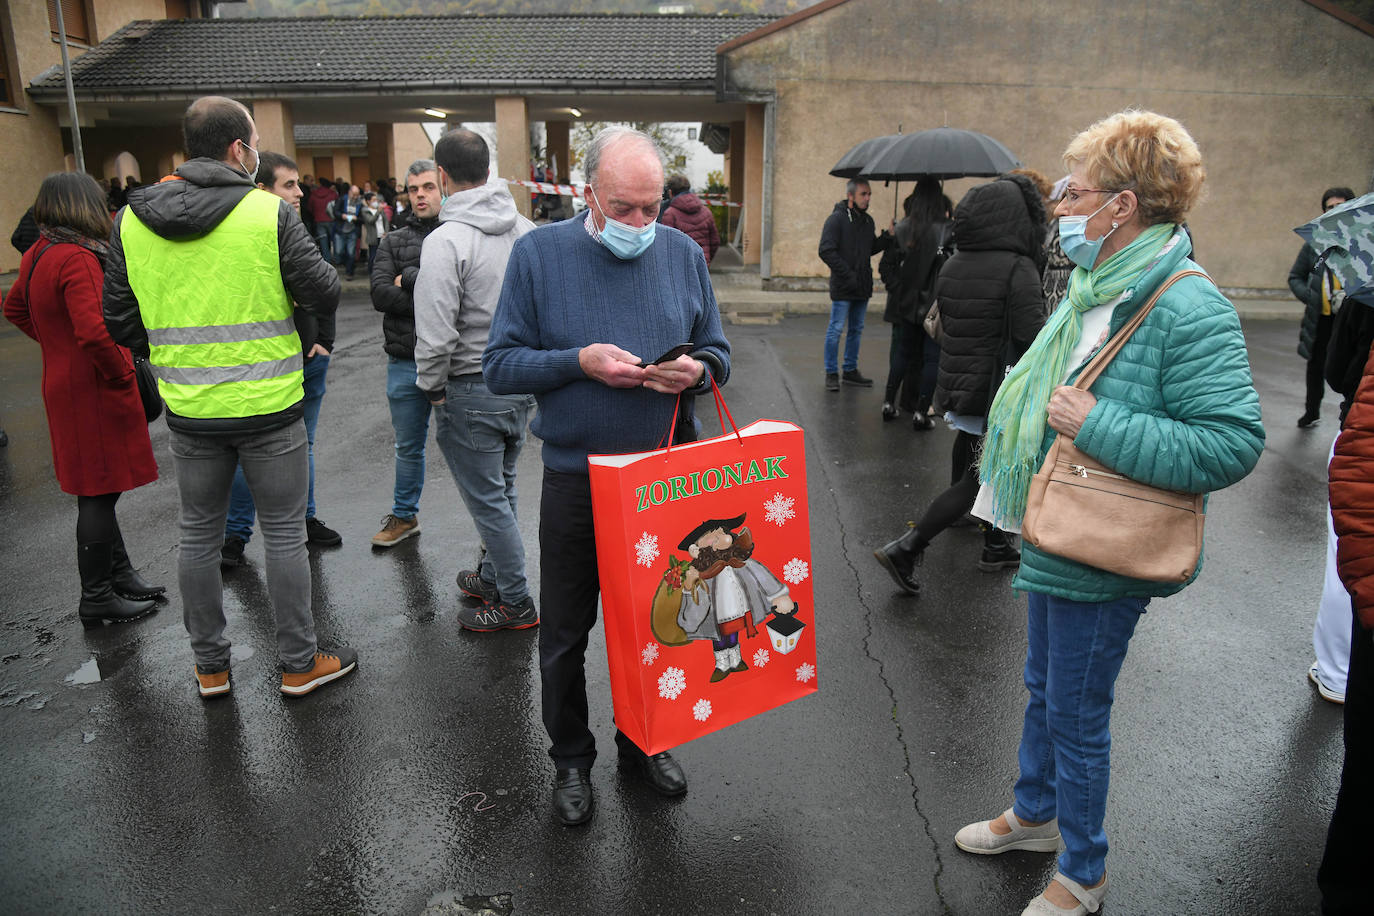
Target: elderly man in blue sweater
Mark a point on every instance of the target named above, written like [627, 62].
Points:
[587, 304]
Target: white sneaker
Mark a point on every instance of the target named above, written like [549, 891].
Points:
[1326, 692]
[979, 839]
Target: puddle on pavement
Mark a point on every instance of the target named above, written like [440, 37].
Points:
[101, 666]
[451, 903]
[239, 654]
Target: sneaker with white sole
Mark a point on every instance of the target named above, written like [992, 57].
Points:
[1331, 696]
[395, 530]
[979, 839]
[213, 683]
[329, 665]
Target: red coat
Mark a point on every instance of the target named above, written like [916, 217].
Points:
[1352, 497]
[688, 214]
[95, 417]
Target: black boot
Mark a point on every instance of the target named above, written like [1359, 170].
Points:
[901, 557]
[99, 603]
[998, 552]
[127, 582]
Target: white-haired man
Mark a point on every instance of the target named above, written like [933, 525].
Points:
[586, 303]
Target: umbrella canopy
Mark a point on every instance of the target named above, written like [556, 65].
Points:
[860, 155]
[942, 152]
[1344, 236]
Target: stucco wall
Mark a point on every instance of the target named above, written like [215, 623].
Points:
[1279, 96]
[113, 15]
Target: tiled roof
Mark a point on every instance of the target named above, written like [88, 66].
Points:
[330, 134]
[474, 52]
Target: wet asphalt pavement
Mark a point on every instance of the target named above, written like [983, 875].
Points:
[422, 781]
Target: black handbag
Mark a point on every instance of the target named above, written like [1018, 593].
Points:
[147, 389]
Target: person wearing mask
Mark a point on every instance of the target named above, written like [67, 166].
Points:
[277, 175]
[393, 294]
[204, 269]
[480, 433]
[1315, 289]
[584, 303]
[99, 433]
[1175, 409]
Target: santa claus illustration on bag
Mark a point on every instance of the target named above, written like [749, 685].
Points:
[724, 592]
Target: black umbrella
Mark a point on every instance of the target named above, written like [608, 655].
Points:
[942, 152]
[854, 161]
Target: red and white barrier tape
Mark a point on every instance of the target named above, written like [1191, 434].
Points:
[567, 190]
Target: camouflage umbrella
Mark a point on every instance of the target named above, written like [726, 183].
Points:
[1344, 237]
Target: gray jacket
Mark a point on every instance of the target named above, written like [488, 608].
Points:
[462, 265]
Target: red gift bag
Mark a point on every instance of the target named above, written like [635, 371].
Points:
[704, 552]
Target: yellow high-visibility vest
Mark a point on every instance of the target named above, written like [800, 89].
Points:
[221, 337]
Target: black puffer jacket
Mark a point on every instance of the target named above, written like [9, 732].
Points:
[189, 208]
[1306, 284]
[399, 255]
[988, 290]
[847, 248]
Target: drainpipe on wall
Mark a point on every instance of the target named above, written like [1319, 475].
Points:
[71, 94]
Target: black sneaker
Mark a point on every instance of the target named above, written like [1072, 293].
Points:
[474, 586]
[231, 554]
[921, 422]
[1002, 556]
[1309, 420]
[500, 616]
[890, 411]
[832, 381]
[852, 377]
[320, 534]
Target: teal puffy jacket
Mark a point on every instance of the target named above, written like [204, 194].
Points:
[1175, 409]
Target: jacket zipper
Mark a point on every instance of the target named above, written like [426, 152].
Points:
[1079, 470]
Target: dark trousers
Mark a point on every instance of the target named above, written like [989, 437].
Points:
[1316, 365]
[569, 586]
[1344, 877]
[905, 364]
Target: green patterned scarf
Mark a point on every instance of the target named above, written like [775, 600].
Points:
[1016, 419]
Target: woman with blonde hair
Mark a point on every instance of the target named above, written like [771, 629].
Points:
[99, 433]
[1175, 409]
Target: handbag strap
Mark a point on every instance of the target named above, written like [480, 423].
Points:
[1112, 347]
[33, 265]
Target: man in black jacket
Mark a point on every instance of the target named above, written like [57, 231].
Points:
[190, 284]
[847, 247]
[393, 285]
[1314, 290]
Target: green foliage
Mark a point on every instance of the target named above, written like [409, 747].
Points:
[715, 182]
[670, 139]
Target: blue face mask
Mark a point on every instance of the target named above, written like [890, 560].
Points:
[1074, 240]
[625, 242]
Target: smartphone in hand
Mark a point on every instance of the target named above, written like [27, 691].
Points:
[679, 350]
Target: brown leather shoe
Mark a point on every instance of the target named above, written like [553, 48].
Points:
[329, 666]
[214, 683]
[394, 530]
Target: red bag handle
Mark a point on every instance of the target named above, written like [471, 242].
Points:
[722, 413]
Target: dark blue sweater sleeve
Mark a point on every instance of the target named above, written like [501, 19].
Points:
[708, 334]
[515, 361]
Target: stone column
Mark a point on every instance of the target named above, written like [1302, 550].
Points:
[276, 126]
[512, 146]
[559, 144]
[379, 150]
[752, 198]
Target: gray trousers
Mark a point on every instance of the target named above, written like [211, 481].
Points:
[276, 466]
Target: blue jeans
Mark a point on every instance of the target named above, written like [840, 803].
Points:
[277, 469]
[481, 435]
[239, 523]
[1074, 654]
[324, 236]
[346, 249]
[410, 421]
[840, 310]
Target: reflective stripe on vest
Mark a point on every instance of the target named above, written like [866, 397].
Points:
[222, 340]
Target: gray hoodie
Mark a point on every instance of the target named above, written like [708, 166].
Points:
[462, 265]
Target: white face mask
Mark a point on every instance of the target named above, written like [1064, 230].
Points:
[257, 161]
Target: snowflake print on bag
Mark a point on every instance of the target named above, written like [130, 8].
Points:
[702, 710]
[646, 549]
[760, 658]
[671, 683]
[795, 570]
[779, 509]
[649, 654]
[805, 672]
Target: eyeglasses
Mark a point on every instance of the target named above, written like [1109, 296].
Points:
[1071, 194]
